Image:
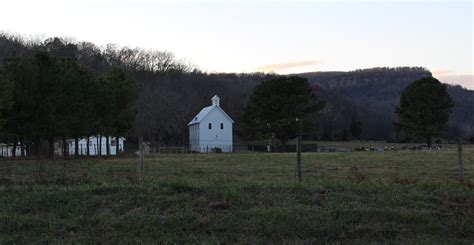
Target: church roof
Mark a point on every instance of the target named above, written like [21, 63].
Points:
[206, 111]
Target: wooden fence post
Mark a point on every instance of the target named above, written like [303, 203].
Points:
[461, 159]
[298, 159]
[298, 152]
[141, 166]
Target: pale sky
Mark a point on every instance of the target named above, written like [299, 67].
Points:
[270, 36]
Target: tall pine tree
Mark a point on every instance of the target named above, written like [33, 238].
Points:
[424, 109]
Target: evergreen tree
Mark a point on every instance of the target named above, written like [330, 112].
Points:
[274, 106]
[6, 94]
[424, 109]
[77, 108]
[119, 100]
[22, 72]
[356, 129]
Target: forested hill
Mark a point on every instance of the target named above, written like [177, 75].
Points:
[376, 92]
[376, 88]
[173, 92]
[366, 77]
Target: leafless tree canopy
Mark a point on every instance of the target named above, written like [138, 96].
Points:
[174, 91]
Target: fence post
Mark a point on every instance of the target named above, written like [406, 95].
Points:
[141, 166]
[460, 159]
[298, 152]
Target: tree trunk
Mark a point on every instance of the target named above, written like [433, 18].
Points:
[97, 145]
[283, 145]
[429, 141]
[28, 148]
[88, 151]
[100, 145]
[51, 148]
[117, 145]
[107, 145]
[38, 147]
[14, 147]
[22, 148]
[65, 148]
[76, 146]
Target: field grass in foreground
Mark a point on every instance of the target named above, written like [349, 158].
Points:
[400, 197]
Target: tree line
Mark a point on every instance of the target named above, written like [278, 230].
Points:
[49, 96]
[370, 96]
[277, 106]
[171, 91]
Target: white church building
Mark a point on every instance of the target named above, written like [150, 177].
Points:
[211, 129]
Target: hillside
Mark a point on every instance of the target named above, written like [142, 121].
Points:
[377, 91]
[174, 92]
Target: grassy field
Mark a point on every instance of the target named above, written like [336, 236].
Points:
[394, 197]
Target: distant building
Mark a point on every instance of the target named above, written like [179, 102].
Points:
[6, 150]
[211, 129]
[116, 146]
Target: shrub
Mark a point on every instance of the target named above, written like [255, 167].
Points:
[217, 150]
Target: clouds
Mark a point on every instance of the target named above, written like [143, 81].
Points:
[451, 77]
[288, 66]
[285, 37]
[465, 80]
[441, 72]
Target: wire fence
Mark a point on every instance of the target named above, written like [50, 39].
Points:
[438, 163]
[6, 150]
[310, 146]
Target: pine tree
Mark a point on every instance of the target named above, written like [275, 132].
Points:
[274, 106]
[424, 109]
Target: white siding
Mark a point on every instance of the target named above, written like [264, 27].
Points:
[7, 150]
[215, 137]
[205, 139]
[93, 146]
[194, 137]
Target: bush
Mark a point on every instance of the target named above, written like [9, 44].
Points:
[217, 150]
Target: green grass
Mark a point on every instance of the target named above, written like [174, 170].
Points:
[394, 197]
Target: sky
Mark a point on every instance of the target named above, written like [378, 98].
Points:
[267, 36]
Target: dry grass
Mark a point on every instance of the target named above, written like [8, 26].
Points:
[361, 197]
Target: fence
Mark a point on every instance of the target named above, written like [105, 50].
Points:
[235, 148]
[7, 149]
[173, 149]
[308, 147]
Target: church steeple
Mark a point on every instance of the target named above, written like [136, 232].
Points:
[215, 100]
